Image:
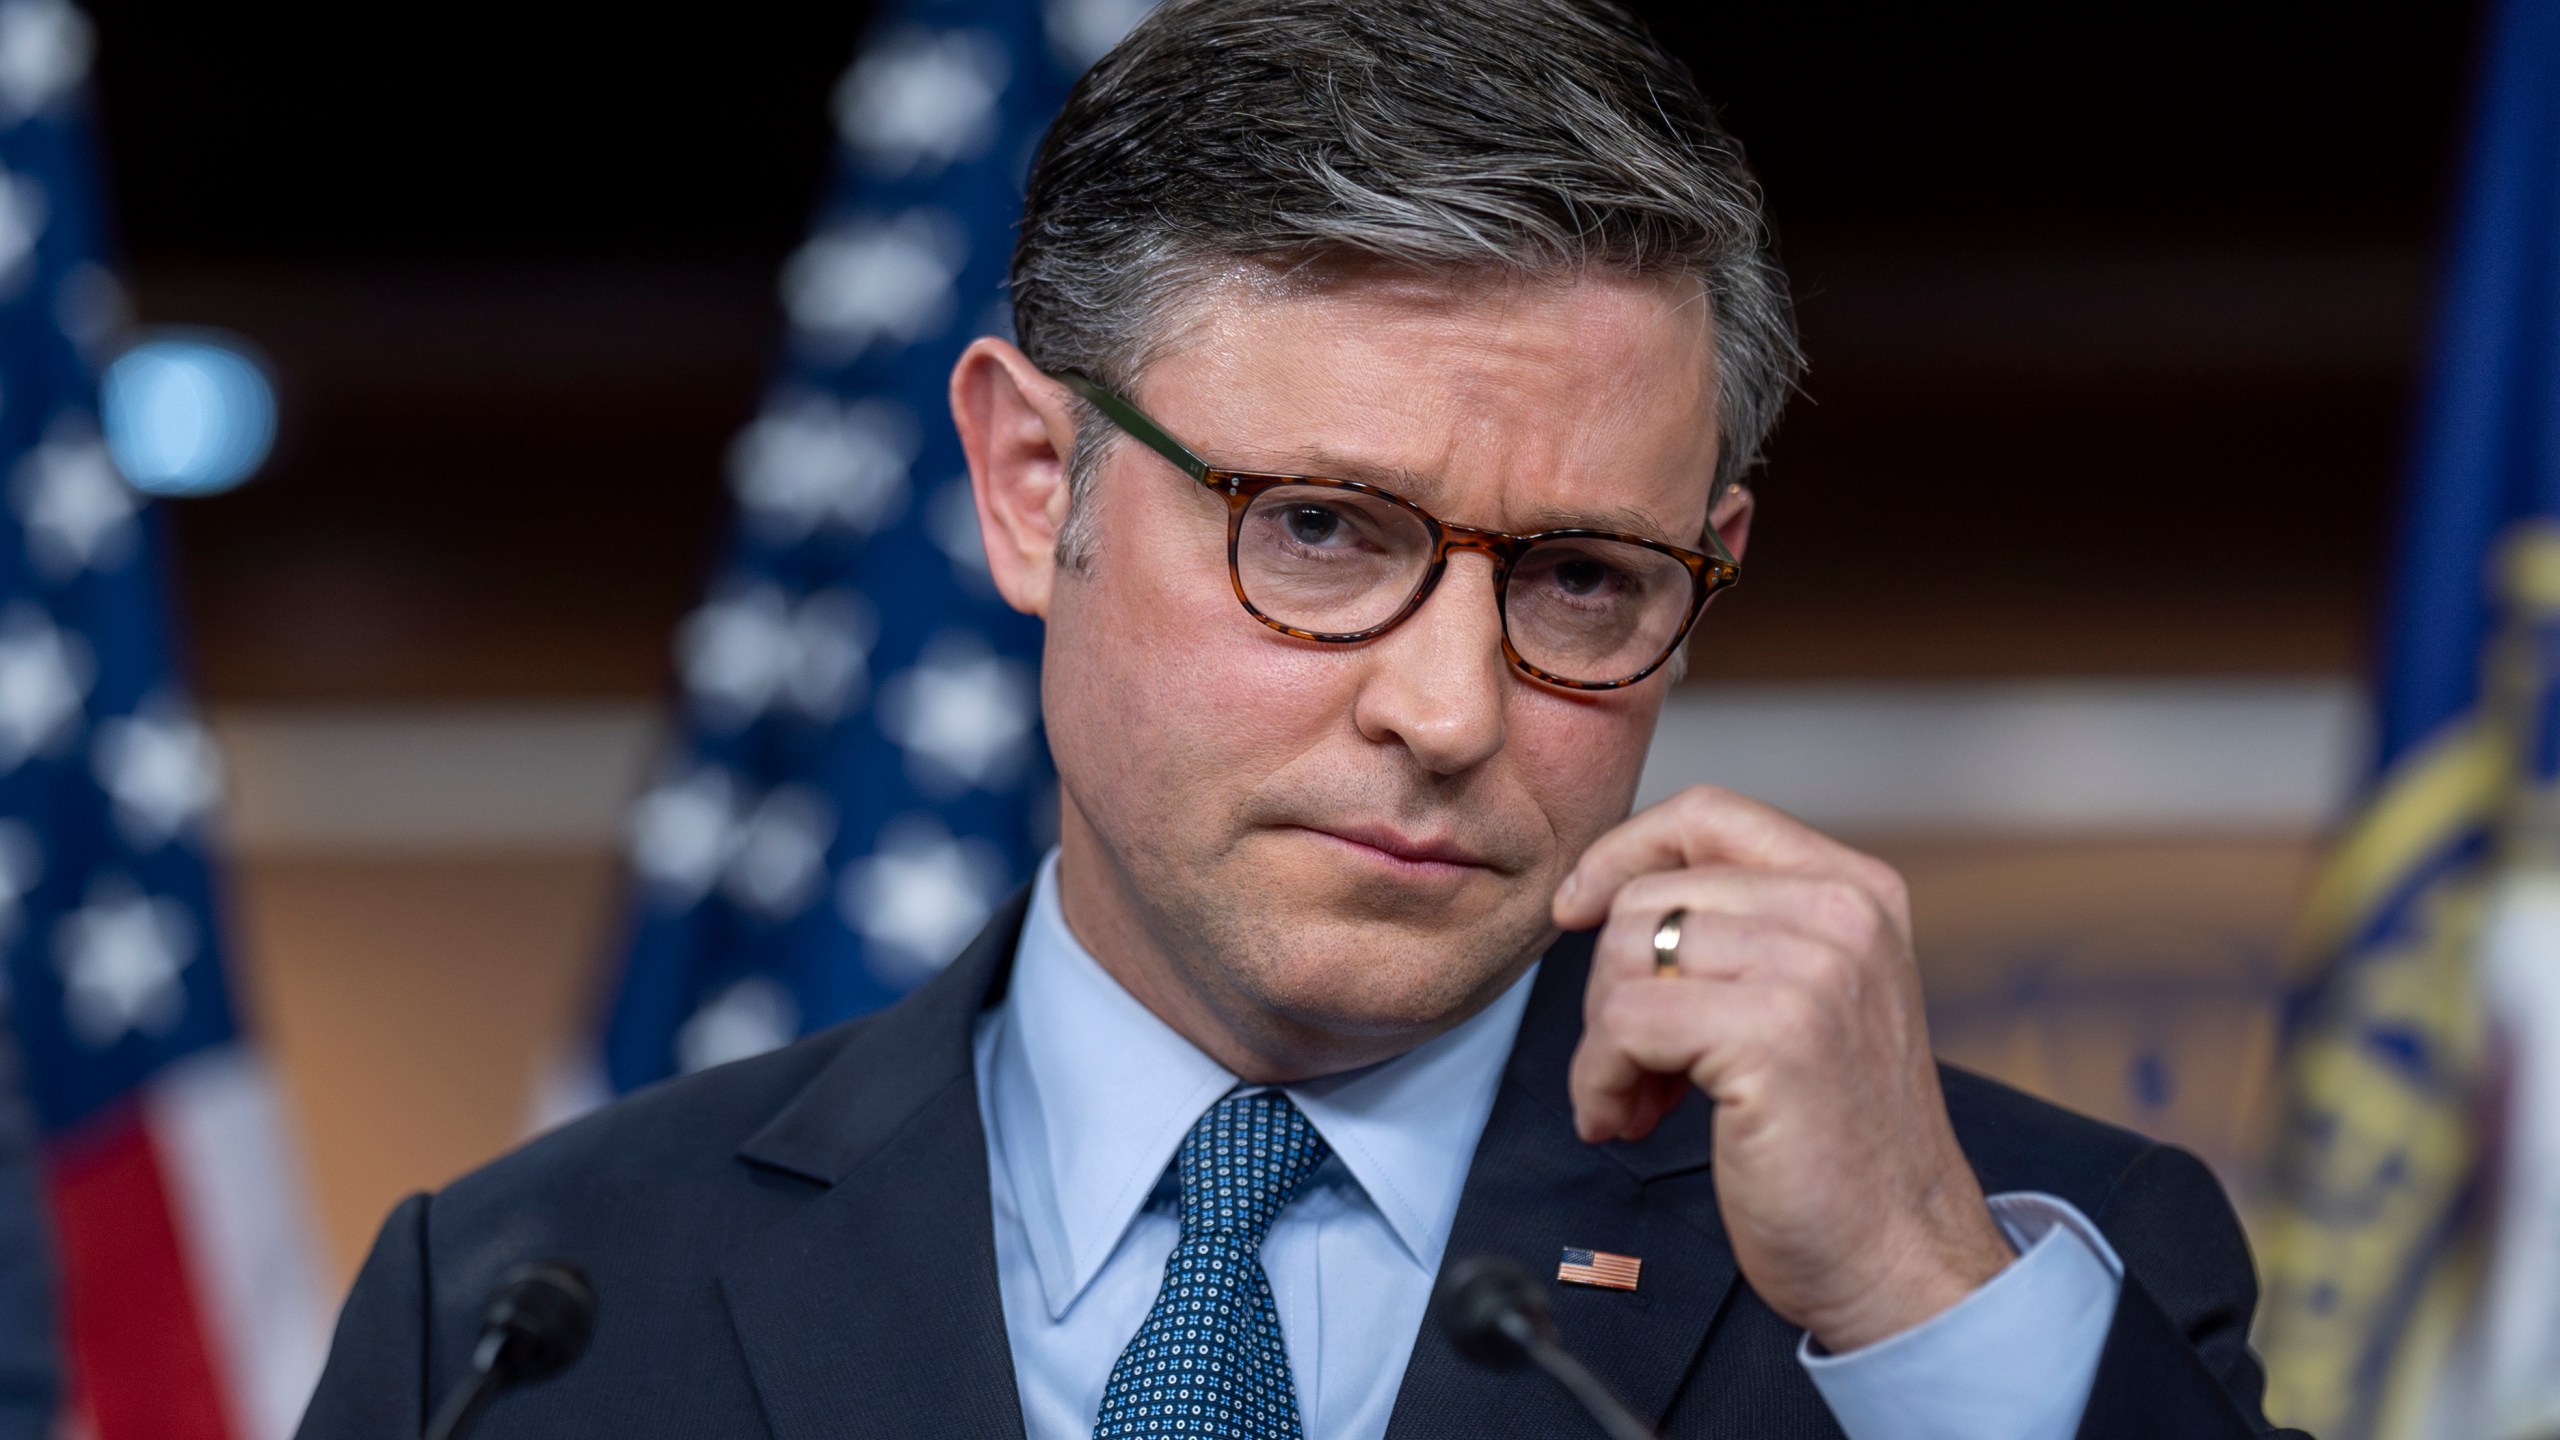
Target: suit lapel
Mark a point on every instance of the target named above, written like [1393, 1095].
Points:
[874, 1309]
[1534, 1189]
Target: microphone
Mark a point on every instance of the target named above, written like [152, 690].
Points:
[537, 1323]
[1497, 1317]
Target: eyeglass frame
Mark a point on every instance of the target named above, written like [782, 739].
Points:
[1709, 574]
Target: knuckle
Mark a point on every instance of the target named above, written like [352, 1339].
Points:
[1700, 799]
[1625, 905]
[1646, 896]
[1754, 935]
[1886, 884]
[1826, 971]
[1845, 909]
[1795, 1016]
[1625, 1015]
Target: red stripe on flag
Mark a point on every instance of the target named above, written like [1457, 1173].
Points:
[140, 1367]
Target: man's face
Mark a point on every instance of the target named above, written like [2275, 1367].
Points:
[1363, 840]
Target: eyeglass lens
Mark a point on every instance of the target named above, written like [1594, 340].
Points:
[1337, 562]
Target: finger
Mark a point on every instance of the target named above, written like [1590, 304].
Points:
[1631, 1113]
[1702, 825]
[1838, 908]
[1693, 1031]
[1613, 1097]
[1713, 946]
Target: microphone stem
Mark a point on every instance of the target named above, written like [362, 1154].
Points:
[1586, 1388]
[462, 1407]
[463, 1404]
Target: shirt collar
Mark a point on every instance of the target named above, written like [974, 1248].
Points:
[1092, 1094]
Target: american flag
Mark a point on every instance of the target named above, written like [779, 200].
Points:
[191, 1306]
[862, 775]
[1599, 1267]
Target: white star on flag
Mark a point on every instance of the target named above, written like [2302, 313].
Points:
[45, 674]
[781, 852]
[919, 896]
[862, 282]
[807, 462]
[964, 715]
[161, 769]
[45, 47]
[749, 1017]
[919, 100]
[683, 832]
[745, 650]
[698, 830]
[123, 957]
[78, 511]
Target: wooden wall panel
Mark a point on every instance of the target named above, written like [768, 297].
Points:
[410, 1003]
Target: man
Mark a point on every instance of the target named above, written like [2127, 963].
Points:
[1387, 374]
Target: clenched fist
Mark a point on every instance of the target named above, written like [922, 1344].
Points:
[1796, 1008]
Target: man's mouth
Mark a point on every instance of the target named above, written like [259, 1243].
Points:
[1384, 844]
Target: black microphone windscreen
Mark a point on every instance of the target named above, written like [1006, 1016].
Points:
[546, 1311]
[1489, 1308]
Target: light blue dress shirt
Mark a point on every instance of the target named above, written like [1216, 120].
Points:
[1086, 1095]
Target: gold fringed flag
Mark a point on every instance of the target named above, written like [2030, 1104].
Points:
[2404, 1142]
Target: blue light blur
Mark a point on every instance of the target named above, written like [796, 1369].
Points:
[187, 413]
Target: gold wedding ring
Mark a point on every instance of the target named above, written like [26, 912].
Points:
[1666, 943]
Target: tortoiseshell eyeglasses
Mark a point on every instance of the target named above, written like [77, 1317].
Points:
[1340, 561]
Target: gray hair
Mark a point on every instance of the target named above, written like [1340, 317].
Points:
[1515, 137]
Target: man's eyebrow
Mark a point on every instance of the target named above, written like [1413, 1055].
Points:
[1411, 484]
[1624, 519]
[1431, 493]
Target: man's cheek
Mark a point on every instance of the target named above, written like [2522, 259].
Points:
[1583, 765]
[1266, 694]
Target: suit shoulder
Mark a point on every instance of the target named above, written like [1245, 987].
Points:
[644, 1195]
[2019, 1142]
[686, 1124]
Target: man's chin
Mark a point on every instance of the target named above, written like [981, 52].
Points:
[1351, 970]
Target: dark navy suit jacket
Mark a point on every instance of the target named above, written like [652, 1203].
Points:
[800, 1246]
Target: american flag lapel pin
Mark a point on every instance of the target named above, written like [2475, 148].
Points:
[1599, 1267]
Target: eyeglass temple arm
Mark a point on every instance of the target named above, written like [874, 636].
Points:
[1134, 420]
[1714, 539]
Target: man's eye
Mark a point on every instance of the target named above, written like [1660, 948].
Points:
[1582, 577]
[1311, 524]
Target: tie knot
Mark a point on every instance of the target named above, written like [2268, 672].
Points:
[1243, 1161]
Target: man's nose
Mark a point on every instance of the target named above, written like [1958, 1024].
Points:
[1440, 679]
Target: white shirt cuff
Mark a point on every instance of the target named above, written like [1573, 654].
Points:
[2012, 1361]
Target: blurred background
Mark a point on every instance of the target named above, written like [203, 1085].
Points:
[2063, 598]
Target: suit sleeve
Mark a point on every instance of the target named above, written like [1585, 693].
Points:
[375, 1385]
[2177, 1359]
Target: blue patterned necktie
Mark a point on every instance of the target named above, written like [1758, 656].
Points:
[1208, 1359]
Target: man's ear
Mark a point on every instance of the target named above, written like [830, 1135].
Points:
[1016, 428]
[1732, 518]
